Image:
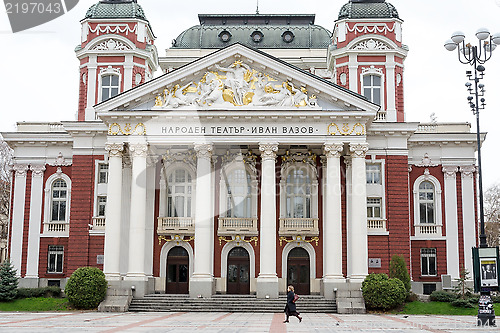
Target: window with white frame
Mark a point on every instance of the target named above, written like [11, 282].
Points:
[428, 262]
[59, 200]
[179, 193]
[239, 194]
[110, 86]
[55, 259]
[426, 202]
[372, 87]
[374, 207]
[298, 192]
[373, 174]
[103, 173]
[101, 206]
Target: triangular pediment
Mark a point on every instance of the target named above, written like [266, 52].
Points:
[237, 78]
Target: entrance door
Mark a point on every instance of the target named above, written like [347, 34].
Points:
[238, 271]
[298, 271]
[177, 271]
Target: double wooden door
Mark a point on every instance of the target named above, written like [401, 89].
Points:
[299, 271]
[177, 271]
[238, 272]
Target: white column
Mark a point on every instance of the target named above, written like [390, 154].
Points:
[125, 214]
[201, 282]
[16, 245]
[468, 214]
[150, 215]
[358, 234]
[35, 221]
[267, 281]
[332, 225]
[348, 205]
[112, 236]
[451, 218]
[137, 238]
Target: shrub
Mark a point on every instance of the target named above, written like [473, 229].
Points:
[380, 292]
[462, 303]
[411, 297]
[443, 296]
[86, 287]
[398, 270]
[8, 281]
[38, 292]
[462, 289]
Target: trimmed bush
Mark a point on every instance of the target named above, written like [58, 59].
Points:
[86, 287]
[398, 270]
[38, 292]
[380, 292]
[463, 303]
[443, 296]
[8, 281]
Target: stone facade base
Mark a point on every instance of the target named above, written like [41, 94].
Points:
[267, 287]
[201, 287]
[349, 298]
[117, 300]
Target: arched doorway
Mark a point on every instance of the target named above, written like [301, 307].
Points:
[299, 271]
[177, 271]
[238, 271]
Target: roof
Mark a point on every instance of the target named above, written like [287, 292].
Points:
[255, 30]
[111, 9]
[360, 9]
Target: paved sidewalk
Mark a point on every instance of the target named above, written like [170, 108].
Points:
[180, 322]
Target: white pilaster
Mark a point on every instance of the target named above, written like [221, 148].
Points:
[128, 66]
[137, 242]
[468, 213]
[451, 218]
[390, 88]
[125, 214]
[348, 205]
[113, 230]
[150, 210]
[353, 72]
[267, 281]
[332, 225]
[16, 245]
[358, 234]
[91, 87]
[201, 282]
[35, 221]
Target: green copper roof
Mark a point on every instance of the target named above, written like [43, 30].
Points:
[254, 30]
[359, 9]
[111, 9]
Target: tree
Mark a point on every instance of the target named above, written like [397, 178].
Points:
[398, 270]
[462, 289]
[492, 215]
[8, 281]
[5, 160]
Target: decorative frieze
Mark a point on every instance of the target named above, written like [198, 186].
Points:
[426, 162]
[268, 151]
[114, 149]
[60, 161]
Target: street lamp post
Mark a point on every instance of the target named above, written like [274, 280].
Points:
[476, 56]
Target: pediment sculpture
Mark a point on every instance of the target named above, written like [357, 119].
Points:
[236, 85]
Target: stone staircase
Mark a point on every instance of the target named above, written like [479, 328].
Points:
[229, 303]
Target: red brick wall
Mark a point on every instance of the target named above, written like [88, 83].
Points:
[44, 252]
[378, 247]
[440, 247]
[96, 247]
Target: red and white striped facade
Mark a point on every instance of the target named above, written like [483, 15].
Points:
[364, 178]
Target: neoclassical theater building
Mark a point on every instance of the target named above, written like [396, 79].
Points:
[270, 151]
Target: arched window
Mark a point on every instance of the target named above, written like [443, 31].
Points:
[298, 190]
[57, 205]
[110, 86]
[179, 193]
[59, 200]
[239, 194]
[372, 87]
[426, 202]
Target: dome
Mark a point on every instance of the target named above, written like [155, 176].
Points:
[110, 9]
[361, 9]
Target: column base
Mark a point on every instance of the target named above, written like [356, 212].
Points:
[267, 286]
[135, 277]
[137, 287]
[113, 276]
[330, 285]
[356, 278]
[201, 286]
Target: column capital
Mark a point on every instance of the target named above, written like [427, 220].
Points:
[450, 171]
[268, 150]
[467, 171]
[20, 169]
[204, 150]
[333, 149]
[37, 170]
[138, 149]
[114, 149]
[358, 150]
[348, 161]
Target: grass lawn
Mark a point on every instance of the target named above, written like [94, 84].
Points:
[36, 304]
[439, 308]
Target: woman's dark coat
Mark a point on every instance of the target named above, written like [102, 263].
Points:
[290, 305]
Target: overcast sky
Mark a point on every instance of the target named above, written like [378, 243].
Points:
[39, 70]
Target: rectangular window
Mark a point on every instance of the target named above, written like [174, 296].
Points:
[103, 173]
[374, 207]
[373, 174]
[428, 262]
[101, 206]
[55, 259]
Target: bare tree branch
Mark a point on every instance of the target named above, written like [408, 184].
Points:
[492, 215]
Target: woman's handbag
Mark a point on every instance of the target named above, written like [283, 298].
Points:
[295, 298]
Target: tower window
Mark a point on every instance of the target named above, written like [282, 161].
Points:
[109, 86]
[372, 85]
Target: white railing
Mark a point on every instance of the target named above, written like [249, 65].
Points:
[376, 225]
[428, 230]
[381, 116]
[299, 226]
[56, 228]
[177, 225]
[233, 226]
[98, 223]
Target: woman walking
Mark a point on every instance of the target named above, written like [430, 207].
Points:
[290, 308]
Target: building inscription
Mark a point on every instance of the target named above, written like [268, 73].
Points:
[242, 130]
